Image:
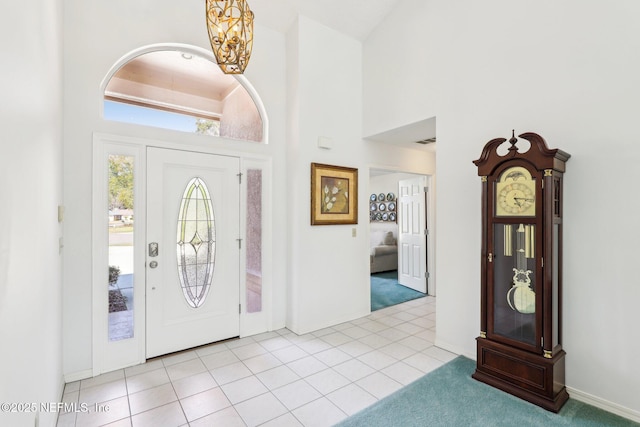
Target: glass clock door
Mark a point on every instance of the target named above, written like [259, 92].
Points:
[514, 282]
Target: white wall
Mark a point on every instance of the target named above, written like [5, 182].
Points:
[31, 190]
[328, 267]
[567, 71]
[97, 34]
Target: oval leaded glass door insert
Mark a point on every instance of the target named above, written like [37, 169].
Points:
[196, 242]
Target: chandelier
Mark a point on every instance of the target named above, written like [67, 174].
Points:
[230, 27]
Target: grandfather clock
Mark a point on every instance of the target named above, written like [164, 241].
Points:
[520, 343]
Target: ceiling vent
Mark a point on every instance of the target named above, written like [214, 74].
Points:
[426, 141]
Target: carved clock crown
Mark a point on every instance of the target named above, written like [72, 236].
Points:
[539, 154]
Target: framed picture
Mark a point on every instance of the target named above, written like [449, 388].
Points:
[334, 195]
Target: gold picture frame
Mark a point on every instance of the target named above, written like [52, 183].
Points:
[334, 195]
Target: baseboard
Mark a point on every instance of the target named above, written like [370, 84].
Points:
[77, 376]
[603, 404]
[453, 349]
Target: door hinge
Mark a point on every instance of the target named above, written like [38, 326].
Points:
[542, 262]
[490, 257]
[239, 308]
[240, 178]
[239, 243]
[426, 274]
[426, 231]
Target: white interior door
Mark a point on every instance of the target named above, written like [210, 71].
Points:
[193, 256]
[412, 234]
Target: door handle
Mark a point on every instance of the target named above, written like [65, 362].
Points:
[153, 249]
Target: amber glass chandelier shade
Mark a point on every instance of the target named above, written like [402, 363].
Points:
[230, 27]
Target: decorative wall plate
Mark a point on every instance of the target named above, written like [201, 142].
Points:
[382, 206]
[392, 206]
[373, 207]
[392, 216]
[373, 198]
[385, 216]
[381, 197]
[391, 197]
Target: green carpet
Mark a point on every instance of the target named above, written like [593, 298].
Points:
[386, 291]
[449, 396]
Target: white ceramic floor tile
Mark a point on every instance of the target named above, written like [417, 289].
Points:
[375, 341]
[66, 420]
[219, 359]
[151, 365]
[151, 398]
[296, 394]
[355, 348]
[277, 377]
[125, 422]
[248, 351]
[428, 335]
[286, 420]
[262, 363]
[393, 334]
[351, 399]
[194, 384]
[440, 354]
[102, 379]
[239, 342]
[336, 339]
[323, 332]
[397, 351]
[275, 343]
[289, 354]
[179, 357]
[377, 359]
[211, 349]
[107, 412]
[73, 386]
[169, 415]
[307, 366]
[260, 409]
[147, 380]
[266, 336]
[228, 417]
[373, 326]
[205, 403]
[379, 385]
[243, 389]
[409, 328]
[103, 392]
[185, 369]
[314, 346]
[404, 316]
[402, 373]
[354, 369]
[332, 356]
[416, 343]
[319, 413]
[390, 321]
[327, 381]
[229, 373]
[423, 362]
[356, 332]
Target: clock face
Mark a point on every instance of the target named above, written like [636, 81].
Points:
[515, 193]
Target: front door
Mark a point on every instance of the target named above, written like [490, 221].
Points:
[412, 233]
[193, 256]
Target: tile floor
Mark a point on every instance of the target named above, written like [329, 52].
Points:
[272, 379]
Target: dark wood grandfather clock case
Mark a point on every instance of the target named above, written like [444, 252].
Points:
[520, 343]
